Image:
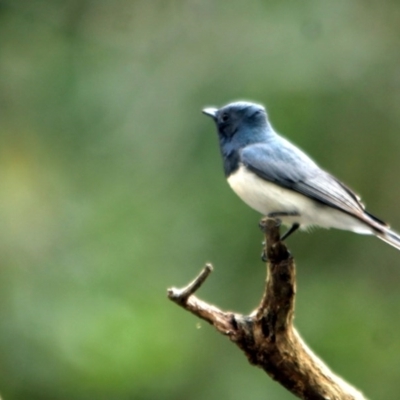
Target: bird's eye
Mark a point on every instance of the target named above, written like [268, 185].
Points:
[224, 117]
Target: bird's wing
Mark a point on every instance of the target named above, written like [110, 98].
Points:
[288, 167]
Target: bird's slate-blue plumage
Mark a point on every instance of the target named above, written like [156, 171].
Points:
[276, 178]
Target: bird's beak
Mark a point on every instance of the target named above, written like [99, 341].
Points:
[211, 112]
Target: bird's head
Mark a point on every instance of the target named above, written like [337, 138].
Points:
[240, 122]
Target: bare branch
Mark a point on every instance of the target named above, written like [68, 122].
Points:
[267, 336]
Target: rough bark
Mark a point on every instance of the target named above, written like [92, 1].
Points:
[267, 336]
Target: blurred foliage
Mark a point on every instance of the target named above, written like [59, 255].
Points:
[111, 190]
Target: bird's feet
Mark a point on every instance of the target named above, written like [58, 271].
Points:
[278, 222]
[276, 215]
[292, 229]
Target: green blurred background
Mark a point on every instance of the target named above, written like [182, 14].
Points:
[112, 190]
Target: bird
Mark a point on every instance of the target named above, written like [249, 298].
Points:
[280, 181]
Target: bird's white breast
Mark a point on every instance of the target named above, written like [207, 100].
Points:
[267, 197]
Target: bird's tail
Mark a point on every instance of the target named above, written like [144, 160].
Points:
[390, 237]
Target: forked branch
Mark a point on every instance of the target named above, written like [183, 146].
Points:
[267, 336]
